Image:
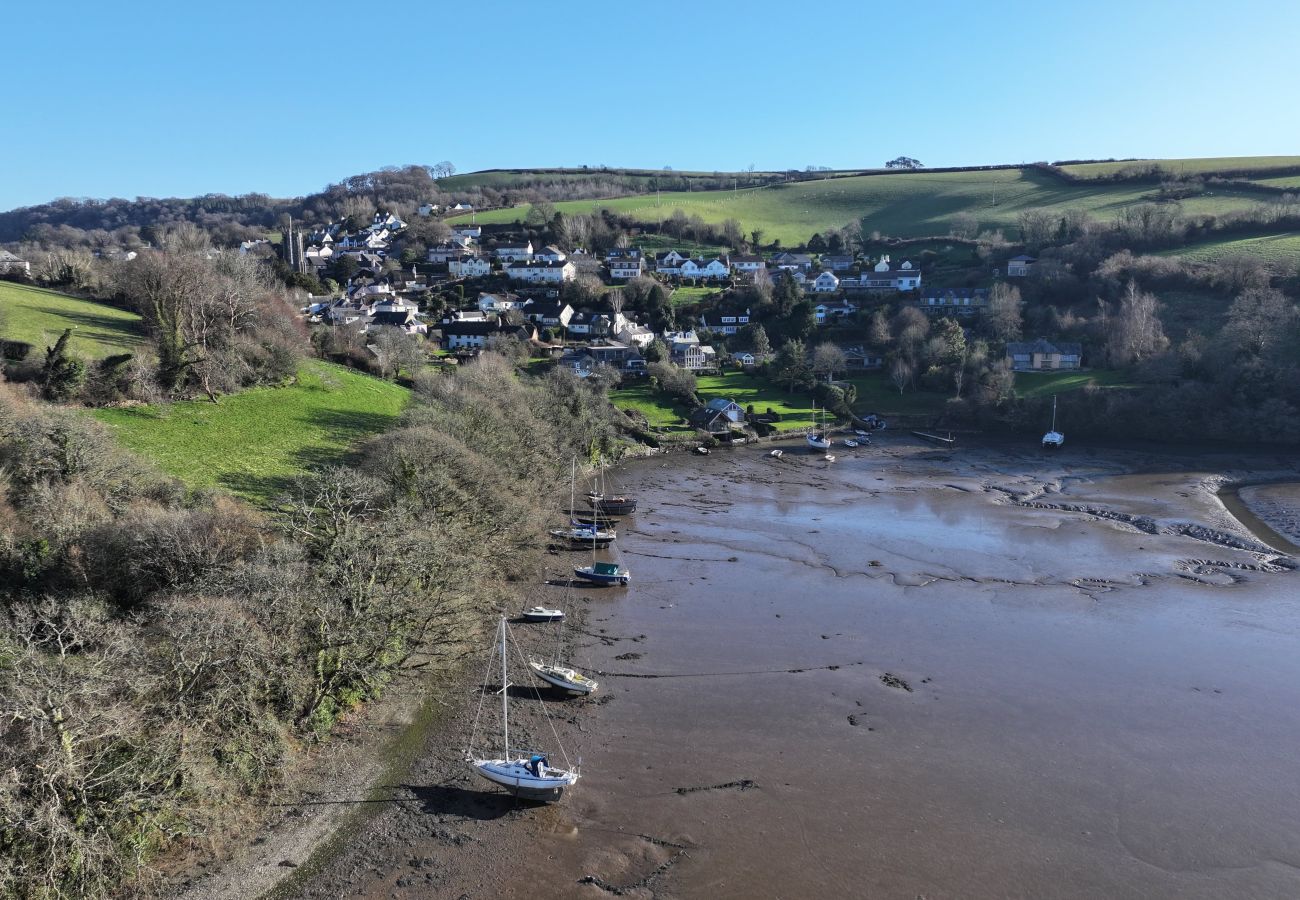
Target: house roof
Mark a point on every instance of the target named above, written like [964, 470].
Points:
[746, 258]
[957, 293]
[1022, 259]
[721, 404]
[538, 264]
[386, 317]
[6, 256]
[1021, 348]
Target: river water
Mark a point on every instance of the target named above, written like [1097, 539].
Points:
[996, 700]
[920, 675]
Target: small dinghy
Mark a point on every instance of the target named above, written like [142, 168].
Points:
[851, 443]
[542, 614]
[777, 454]
[701, 451]
[829, 457]
[603, 573]
[860, 433]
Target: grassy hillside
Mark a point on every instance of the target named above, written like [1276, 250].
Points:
[1203, 166]
[38, 316]
[1281, 251]
[910, 204]
[253, 443]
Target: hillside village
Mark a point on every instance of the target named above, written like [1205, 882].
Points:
[509, 289]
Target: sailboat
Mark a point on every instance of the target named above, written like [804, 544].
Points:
[565, 678]
[818, 440]
[524, 774]
[1053, 439]
[609, 505]
[581, 533]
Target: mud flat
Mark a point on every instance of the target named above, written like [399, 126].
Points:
[1277, 508]
[905, 673]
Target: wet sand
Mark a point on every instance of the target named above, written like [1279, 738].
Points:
[903, 674]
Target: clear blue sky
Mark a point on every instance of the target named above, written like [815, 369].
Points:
[161, 99]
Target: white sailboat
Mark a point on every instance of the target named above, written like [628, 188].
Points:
[1053, 439]
[566, 678]
[524, 774]
[819, 440]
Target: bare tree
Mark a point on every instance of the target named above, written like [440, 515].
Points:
[828, 359]
[1135, 332]
[396, 350]
[1005, 315]
[900, 373]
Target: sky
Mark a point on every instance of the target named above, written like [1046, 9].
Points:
[161, 99]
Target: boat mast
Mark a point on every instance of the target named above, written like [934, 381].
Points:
[1053, 412]
[505, 690]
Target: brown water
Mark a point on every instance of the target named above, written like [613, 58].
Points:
[904, 675]
[1084, 718]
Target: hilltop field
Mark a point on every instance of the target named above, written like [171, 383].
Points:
[38, 316]
[908, 204]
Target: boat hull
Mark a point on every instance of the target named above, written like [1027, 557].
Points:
[598, 578]
[818, 443]
[514, 777]
[612, 506]
[564, 679]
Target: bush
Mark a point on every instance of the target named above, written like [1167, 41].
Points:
[15, 351]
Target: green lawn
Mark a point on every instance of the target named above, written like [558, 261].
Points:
[661, 243]
[252, 444]
[877, 394]
[1199, 166]
[912, 204]
[1043, 384]
[759, 391]
[660, 410]
[1281, 251]
[684, 296]
[38, 316]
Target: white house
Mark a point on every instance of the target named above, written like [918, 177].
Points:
[549, 313]
[1020, 266]
[427, 209]
[551, 253]
[725, 321]
[826, 312]
[462, 207]
[514, 252]
[501, 302]
[473, 232]
[447, 251]
[713, 269]
[748, 265]
[884, 276]
[539, 272]
[11, 263]
[469, 266]
[670, 263]
[826, 283]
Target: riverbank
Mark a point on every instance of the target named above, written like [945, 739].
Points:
[989, 673]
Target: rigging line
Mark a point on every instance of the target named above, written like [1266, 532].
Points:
[473, 732]
[538, 691]
[795, 671]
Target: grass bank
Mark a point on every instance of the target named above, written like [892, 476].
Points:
[38, 316]
[254, 443]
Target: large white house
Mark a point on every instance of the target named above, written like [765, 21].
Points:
[748, 265]
[725, 321]
[499, 303]
[514, 252]
[713, 269]
[469, 266]
[540, 272]
[826, 312]
[670, 263]
[551, 253]
[826, 283]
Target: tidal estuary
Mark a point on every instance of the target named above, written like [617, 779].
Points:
[904, 674]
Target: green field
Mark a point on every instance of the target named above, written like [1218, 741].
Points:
[38, 316]
[912, 204]
[1201, 166]
[252, 444]
[660, 243]
[1281, 251]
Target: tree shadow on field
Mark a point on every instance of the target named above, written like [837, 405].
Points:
[350, 426]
